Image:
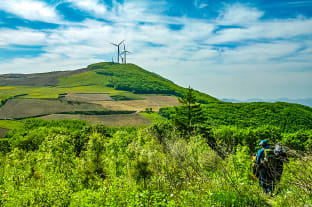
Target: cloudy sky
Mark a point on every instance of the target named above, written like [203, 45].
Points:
[228, 49]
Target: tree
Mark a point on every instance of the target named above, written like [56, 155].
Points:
[189, 115]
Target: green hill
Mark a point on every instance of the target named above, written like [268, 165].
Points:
[128, 77]
[105, 77]
[286, 116]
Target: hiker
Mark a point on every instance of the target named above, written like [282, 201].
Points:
[263, 171]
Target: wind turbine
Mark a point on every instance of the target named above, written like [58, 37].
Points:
[125, 53]
[117, 45]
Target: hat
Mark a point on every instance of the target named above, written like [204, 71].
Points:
[263, 143]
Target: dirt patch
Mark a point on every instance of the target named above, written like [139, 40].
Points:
[116, 120]
[154, 102]
[20, 108]
[88, 97]
[3, 132]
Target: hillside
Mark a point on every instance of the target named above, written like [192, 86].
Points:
[37, 79]
[99, 87]
[121, 80]
[286, 116]
[128, 77]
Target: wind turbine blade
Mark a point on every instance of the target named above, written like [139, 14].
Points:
[121, 42]
[114, 44]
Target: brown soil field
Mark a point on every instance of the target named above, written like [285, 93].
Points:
[87, 97]
[116, 120]
[3, 131]
[153, 101]
[20, 108]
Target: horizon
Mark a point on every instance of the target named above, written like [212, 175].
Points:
[227, 49]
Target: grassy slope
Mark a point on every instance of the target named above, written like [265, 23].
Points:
[8, 124]
[128, 77]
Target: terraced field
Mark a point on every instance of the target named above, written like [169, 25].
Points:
[88, 97]
[153, 101]
[22, 108]
[116, 120]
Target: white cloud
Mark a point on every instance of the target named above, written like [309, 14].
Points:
[283, 29]
[31, 10]
[238, 14]
[21, 36]
[260, 52]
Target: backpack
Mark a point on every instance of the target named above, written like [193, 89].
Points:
[270, 159]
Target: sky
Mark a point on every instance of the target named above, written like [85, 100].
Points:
[229, 49]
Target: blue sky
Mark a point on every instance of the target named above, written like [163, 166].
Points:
[228, 49]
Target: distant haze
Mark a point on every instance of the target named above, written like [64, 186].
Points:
[307, 102]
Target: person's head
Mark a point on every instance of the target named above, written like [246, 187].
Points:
[263, 143]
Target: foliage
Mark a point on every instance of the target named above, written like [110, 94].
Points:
[299, 140]
[69, 163]
[189, 114]
[288, 117]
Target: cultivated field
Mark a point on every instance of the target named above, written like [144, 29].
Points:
[88, 97]
[21, 108]
[116, 120]
[153, 101]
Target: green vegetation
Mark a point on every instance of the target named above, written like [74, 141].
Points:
[155, 117]
[69, 163]
[288, 117]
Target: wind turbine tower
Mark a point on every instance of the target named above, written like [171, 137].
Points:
[125, 54]
[118, 49]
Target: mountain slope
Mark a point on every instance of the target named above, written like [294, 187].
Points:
[128, 77]
[37, 79]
